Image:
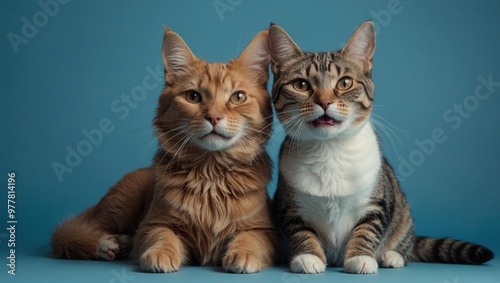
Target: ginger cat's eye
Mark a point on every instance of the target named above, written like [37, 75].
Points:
[344, 83]
[301, 85]
[238, 97]
[193, 97]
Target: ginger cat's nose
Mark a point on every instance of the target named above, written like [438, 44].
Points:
[214, 118]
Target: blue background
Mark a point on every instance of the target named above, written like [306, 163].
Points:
[71, 71]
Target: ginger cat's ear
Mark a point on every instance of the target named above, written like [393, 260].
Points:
[282, 47]
[256, 56]
[361, 46]
[175, 52]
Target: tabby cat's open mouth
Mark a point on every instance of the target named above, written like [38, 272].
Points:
[324, 120]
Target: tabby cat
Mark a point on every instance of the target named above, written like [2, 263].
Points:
[204, 200]
[338, 201]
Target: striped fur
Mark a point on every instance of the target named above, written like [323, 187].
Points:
[338, 201]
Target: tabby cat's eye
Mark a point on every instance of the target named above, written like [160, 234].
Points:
[301, 85]
[238, 97]
[344, 83]
[193, 97]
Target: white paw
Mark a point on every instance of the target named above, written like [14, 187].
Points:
[392, 259]
[307, 263]
[361, 264]
[107, 247]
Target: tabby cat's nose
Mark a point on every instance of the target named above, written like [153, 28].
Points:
[324, 103]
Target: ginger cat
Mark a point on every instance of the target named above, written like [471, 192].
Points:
[204, 200]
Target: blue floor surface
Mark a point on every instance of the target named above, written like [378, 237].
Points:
[40, 267]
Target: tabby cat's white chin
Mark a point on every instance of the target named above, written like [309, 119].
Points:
[322, 129]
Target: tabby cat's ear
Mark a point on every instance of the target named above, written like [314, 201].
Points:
[361, 46]
[255, 57]
[281, 44]
[175, 52]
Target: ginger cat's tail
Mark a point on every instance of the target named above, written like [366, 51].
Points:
[76, 238]
[105, 231]
[447, 250]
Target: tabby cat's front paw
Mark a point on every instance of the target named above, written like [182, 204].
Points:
[307, 263]
[156, 260]
[241, 262]
[361, 264]
[392, 259]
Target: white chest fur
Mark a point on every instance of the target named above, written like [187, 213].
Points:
[333, 181]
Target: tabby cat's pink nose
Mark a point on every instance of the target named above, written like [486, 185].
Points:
[324, 103]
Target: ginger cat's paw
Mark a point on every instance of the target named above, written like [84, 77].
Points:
[107, 247]
[156, 260]
[241, 262]
[361, 264]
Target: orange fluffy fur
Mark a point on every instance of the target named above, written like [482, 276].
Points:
[117, 215]
[204, 199]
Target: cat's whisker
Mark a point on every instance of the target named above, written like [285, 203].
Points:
[278, 113]
[384, 135]
[273, 116]
[248, 142]
[184, 119]
[387, 131]
[168, 151]
[296, 125]
[267, 126]
[287, 121]
[170, 131]
[298, 133]
[251, 141]
[155, 140]
[260, 131]
[177, 155]
[286, 111]
[159, 165]
[167, 140]
[145, 149]
[178, 152]
[387, 122]
[295, 130]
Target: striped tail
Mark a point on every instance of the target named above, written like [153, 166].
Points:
[447, 250]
